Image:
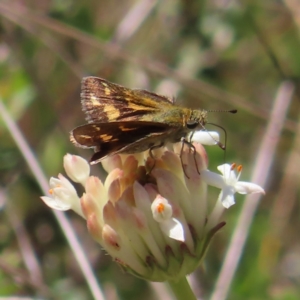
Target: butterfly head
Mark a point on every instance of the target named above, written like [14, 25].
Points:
[196, 120]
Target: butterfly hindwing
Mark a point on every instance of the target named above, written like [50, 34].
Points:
[119, 137]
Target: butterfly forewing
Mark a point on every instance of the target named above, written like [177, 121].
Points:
[103, 101]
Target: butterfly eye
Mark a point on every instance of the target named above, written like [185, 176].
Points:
[192, 124]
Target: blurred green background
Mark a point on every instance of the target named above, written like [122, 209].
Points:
[216, 55]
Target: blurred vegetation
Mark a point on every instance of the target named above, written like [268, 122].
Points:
[215, 55]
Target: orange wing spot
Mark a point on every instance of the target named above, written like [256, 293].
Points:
[86, 137]
[107, 91]
[96, 127]
[123, 128]
[111, 111]
[106, 137]
[94, 100]
[136, 107]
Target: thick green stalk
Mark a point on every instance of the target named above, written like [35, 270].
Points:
[182, 289]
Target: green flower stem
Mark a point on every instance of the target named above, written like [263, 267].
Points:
[182, 289]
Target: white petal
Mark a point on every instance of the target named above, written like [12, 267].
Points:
[141, 197]
[77, 168]
[61, 193]
[173, 229]
[228, 174]
[56, 203]
[243, 187]
[65, 183]
[225, 169]
[213, 179]
[54, 182]
[206, 137]
[226, 198]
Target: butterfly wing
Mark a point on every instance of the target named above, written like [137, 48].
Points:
[103, 101]
[119, 137]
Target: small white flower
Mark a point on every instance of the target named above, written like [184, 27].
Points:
[63, 195]
[229, 183]
[162, 213]
[77, 168]
[161, 209]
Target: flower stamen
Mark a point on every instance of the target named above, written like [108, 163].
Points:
[160, 207]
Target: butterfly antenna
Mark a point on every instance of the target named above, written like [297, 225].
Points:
[232, 111]
[222, 146]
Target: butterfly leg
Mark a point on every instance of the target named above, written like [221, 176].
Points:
[152, 155]
[191, 146]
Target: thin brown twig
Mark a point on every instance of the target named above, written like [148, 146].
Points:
[49, 42]
[21, 278]
[266, 46]
[25, 246]
[34, 279]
